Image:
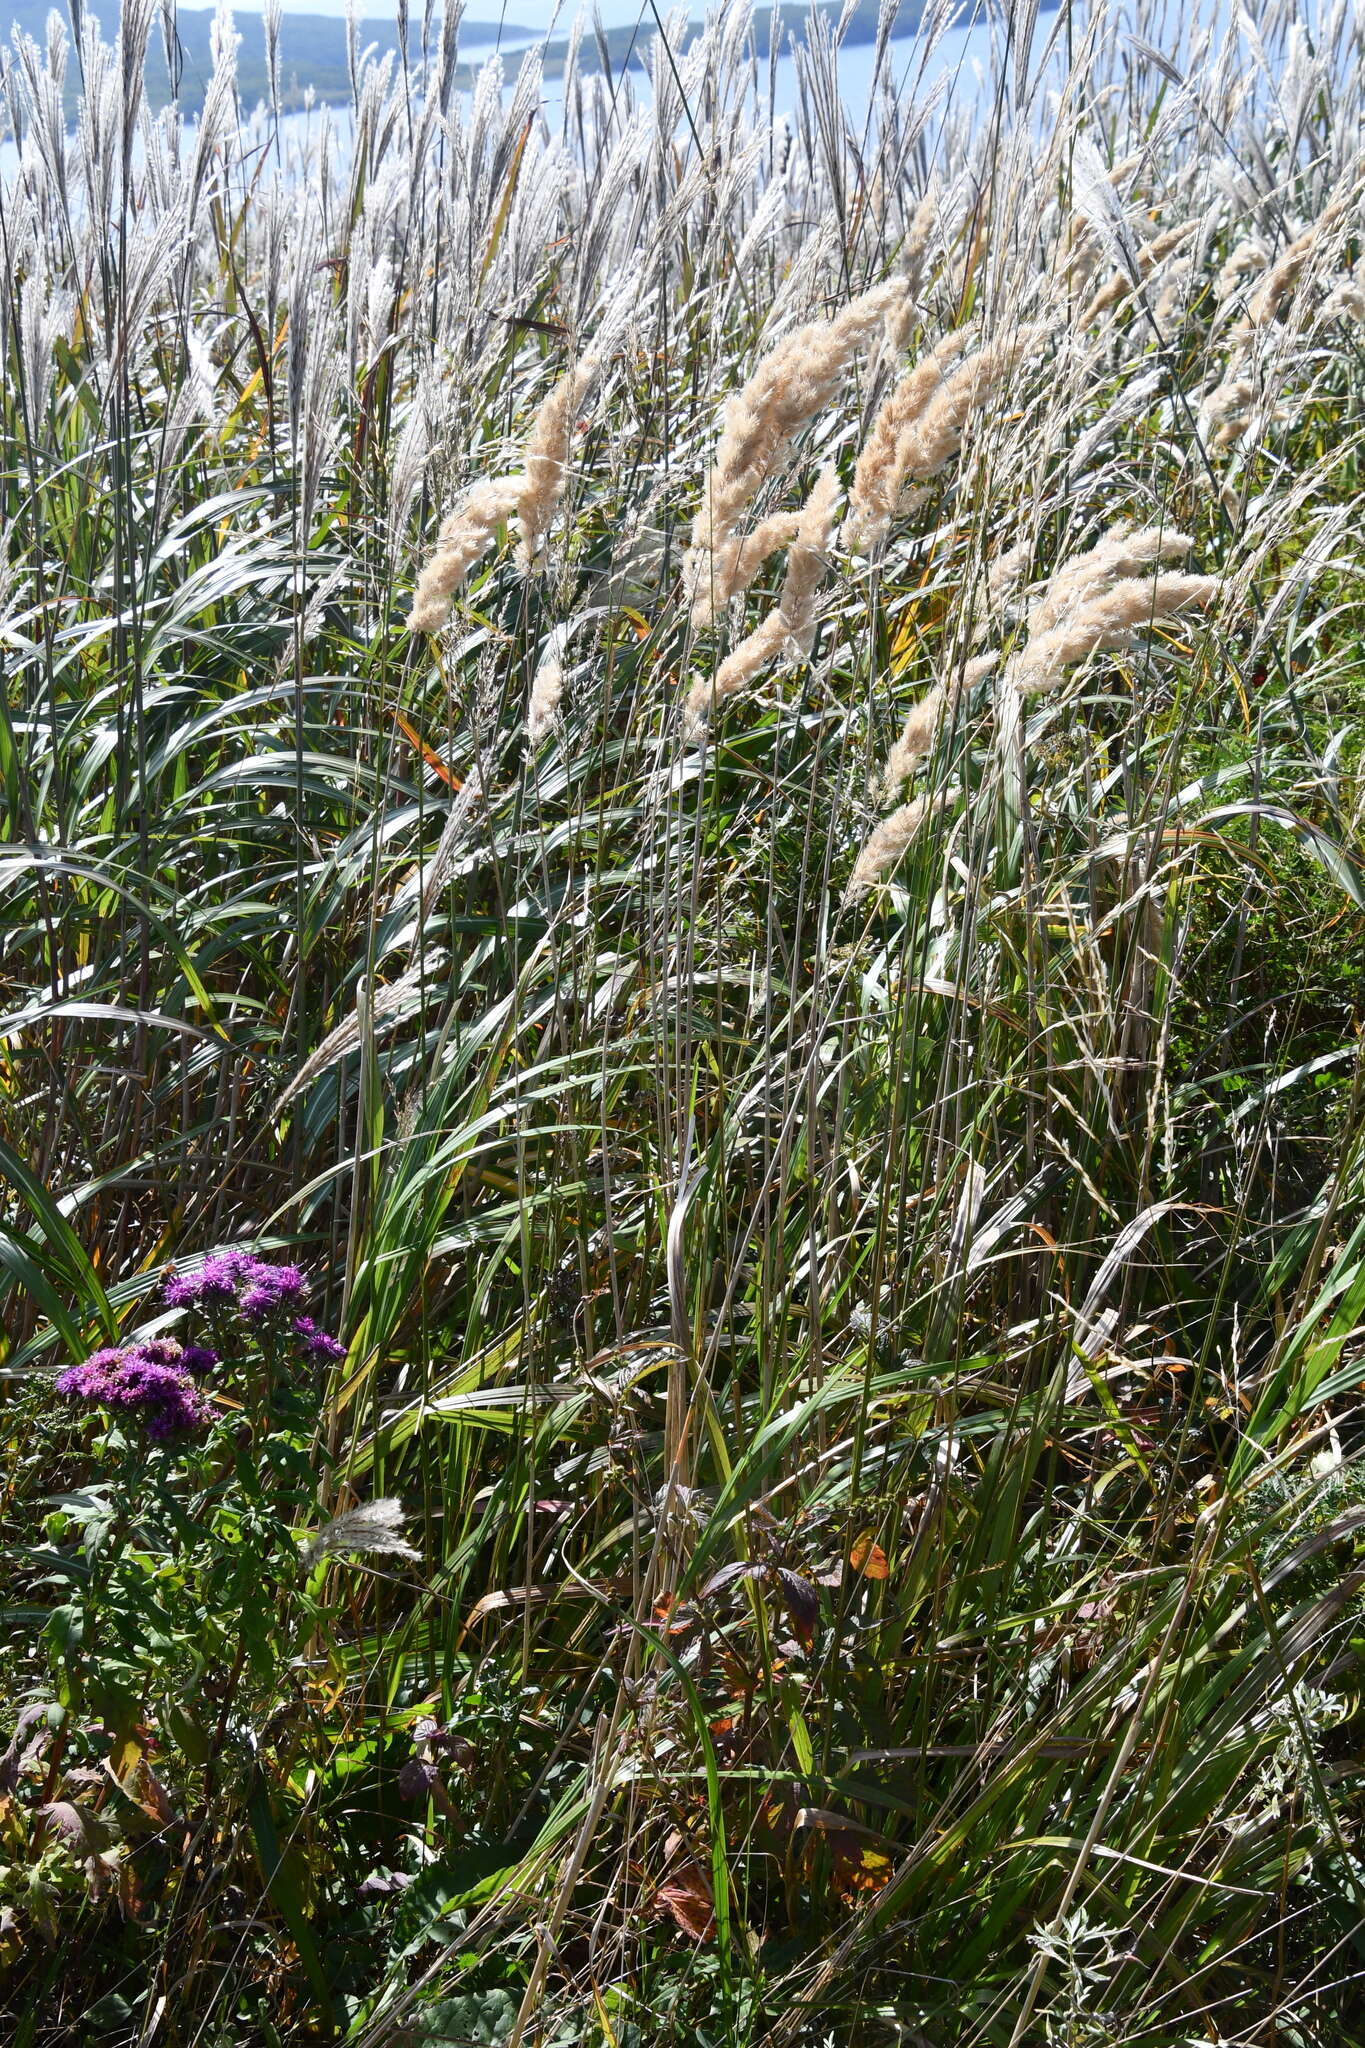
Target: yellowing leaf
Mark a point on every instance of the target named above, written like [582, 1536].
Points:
[859, 1873]
[869, 1558]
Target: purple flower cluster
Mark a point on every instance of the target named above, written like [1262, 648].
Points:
[270, 1291]
[154, 1375]
[317, 1344]
[263, 1295]
[237, 1280]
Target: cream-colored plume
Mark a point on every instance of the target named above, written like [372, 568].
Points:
[465, 535]
[1119, 552]
[1107, 619]
[914, 256]
[1227, 411]
[374, 1530]
[770, 535]
[1249, 256]
[1150, 256]
[1345, 298]
[919, 429]
[533, 495]
[790, 626]
[547, 461]
[1006, 574]
[1230, 406]
[885, 845]
[1100, 600]
[792, 383]
[884, 463]
[917, 734]
[547, 689]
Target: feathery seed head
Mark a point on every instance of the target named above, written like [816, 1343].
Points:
[791, 626]
[885, 845]
[465, 535]
[920, 428]
[793, 382]
[547, 461]
[1107, 621]
[373, 1530]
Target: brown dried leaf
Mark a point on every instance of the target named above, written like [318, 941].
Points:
[148, 1794]
[130, 1895]
[688, 1901]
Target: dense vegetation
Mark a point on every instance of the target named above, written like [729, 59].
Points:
[662, 1383]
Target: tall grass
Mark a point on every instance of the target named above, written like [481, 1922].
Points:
[871, 1371]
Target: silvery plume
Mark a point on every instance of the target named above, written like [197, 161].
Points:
[374, 1530]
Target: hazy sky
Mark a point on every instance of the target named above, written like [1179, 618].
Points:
[531, 14]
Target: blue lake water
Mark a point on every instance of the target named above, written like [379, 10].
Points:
[959, 69]
[959, 66]
[965, 66]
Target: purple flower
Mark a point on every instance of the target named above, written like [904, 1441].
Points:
[161, 1351]
[215, 1282]
[257, 1289]
[198, 1359]
[271, 1290]
[143, 1382]
[91, 1380]
[179, 1412]
[149, 1375]
[317, 1344]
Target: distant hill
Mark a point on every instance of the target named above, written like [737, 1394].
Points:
[313, 46]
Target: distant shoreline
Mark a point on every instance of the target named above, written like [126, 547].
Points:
[314, 64]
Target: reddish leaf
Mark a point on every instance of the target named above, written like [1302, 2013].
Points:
[447, 1742]
[82, 1830]
[726, 1576]
[676, 1615]
[802, 1603]
[739, 1677]
[687, 1899]
[417, 1778]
